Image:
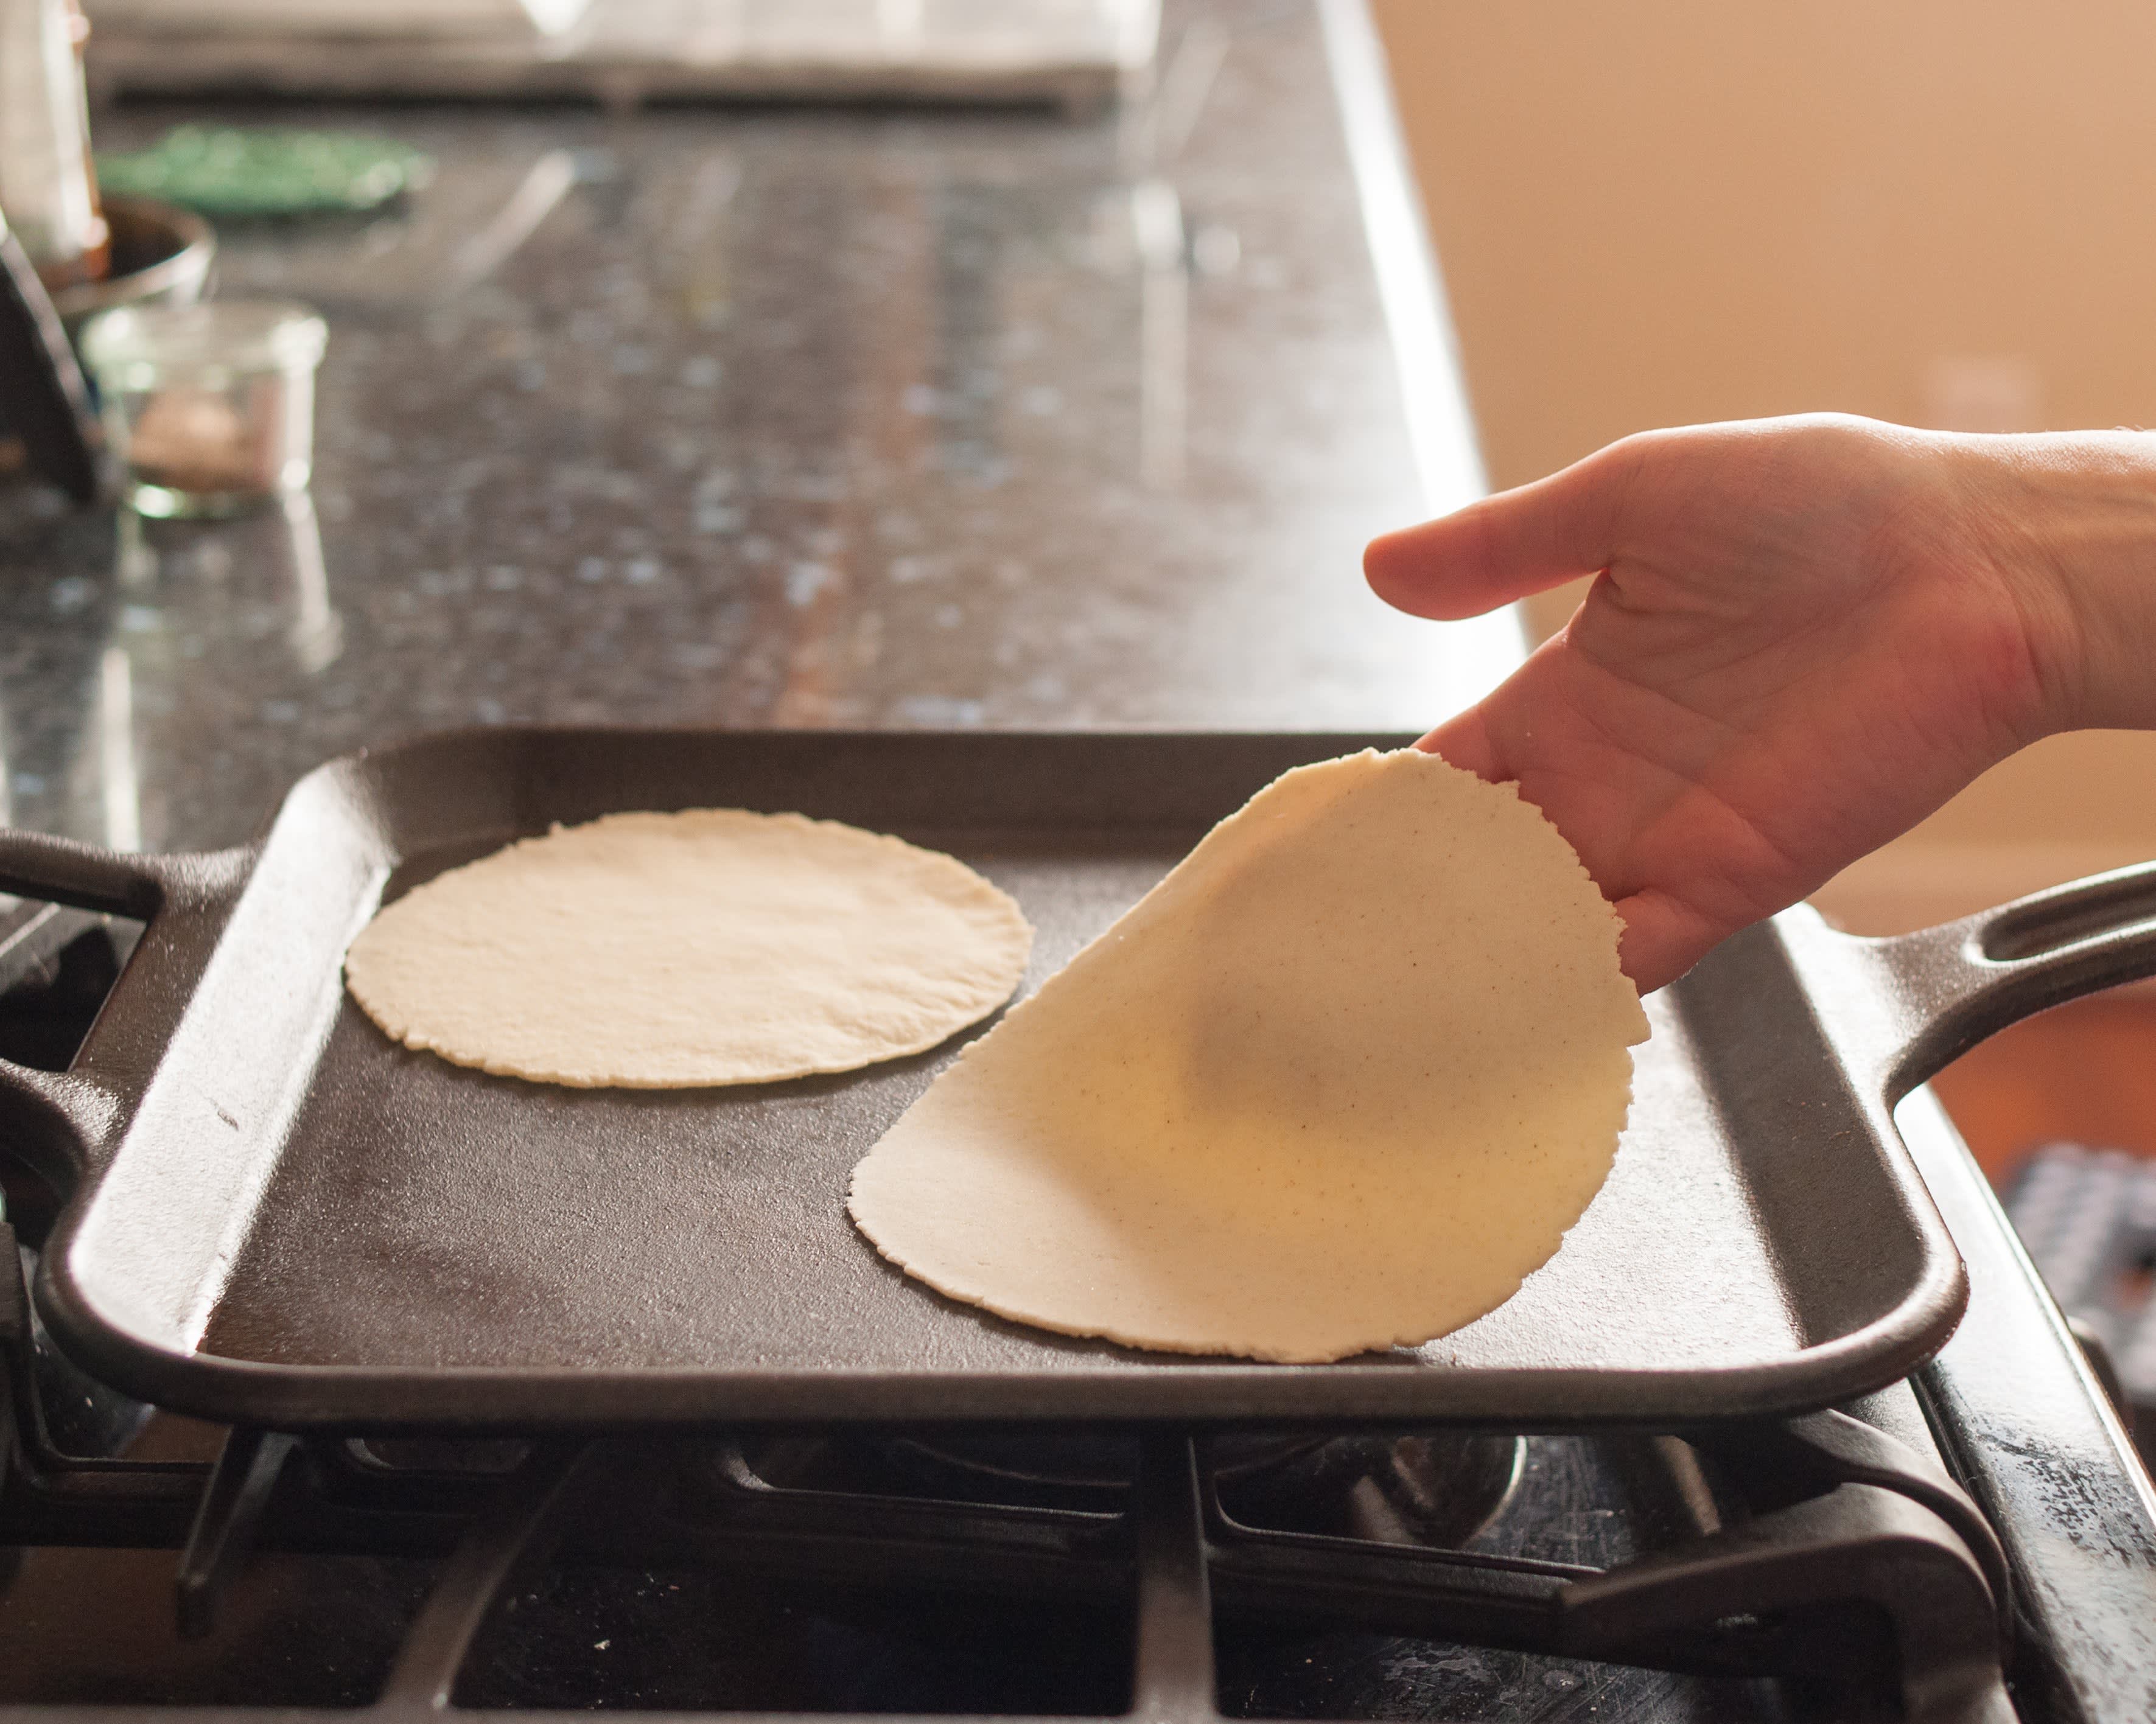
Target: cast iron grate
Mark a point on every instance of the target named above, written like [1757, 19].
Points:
[1855, 1570]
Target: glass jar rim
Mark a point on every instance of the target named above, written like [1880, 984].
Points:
[218, 335]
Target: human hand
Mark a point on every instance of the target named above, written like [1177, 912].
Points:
[1803, 636]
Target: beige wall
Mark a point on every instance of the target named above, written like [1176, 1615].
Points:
[1669, 210]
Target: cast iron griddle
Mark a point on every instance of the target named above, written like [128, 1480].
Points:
[280, 1218]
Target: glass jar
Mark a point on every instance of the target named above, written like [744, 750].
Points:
[212, 406]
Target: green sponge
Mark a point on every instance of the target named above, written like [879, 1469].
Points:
[223, 171]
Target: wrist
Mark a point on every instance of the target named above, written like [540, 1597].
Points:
[2069, 525]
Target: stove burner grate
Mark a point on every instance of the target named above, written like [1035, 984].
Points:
[1176, 1566]
[1435, 1487]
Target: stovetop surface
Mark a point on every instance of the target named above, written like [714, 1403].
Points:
[151, 1562]
[98, 1625]
[148, 1561]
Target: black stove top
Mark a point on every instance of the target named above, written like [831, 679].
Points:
[1434, 1574]
[1975, 1542]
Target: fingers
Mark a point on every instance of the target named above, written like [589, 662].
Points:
[1475, 740]
[1504, 547]
[1465, 740]
[1663, 937]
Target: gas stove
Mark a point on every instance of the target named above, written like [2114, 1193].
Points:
[1977, 1542]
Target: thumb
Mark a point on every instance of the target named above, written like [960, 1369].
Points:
[1504, 547]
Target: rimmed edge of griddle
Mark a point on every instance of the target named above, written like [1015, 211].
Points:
[483, 1399]
[1401, 1390]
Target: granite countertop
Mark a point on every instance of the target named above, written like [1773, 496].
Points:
[774, 417]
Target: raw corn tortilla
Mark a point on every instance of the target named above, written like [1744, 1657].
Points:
[714, 947]
[1340, 1082]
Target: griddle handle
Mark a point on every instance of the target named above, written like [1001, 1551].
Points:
[62, 1121]
[1948, 988]
[36, 865]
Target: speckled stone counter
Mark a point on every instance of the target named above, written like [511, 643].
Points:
[774, 417]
